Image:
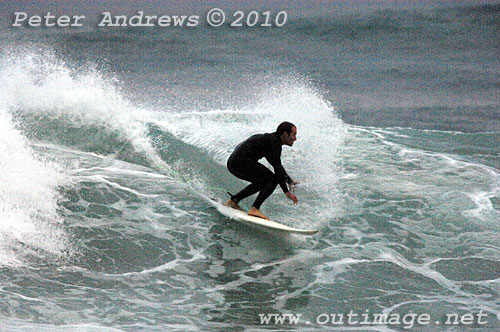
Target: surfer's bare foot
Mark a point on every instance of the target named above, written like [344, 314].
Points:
[232, 204]
[254, 212]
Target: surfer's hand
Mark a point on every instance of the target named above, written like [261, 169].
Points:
[292, 197]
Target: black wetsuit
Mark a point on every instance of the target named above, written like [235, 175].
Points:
[243, 163]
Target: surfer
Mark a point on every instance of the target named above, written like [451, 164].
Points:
[243, 163]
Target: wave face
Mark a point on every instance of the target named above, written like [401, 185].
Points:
[109, 151]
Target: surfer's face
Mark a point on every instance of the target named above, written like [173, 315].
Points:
[289, 139]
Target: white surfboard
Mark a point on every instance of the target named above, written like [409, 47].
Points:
[243, 217]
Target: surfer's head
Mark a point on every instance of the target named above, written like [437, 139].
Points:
[287, 132]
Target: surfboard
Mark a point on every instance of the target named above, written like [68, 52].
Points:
[243, 217]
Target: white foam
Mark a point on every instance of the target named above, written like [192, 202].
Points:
[44, 85]
[28, 199]
[484, 209]
[458, 183]
[17, 325]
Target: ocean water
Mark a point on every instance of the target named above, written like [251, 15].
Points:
[112, 140]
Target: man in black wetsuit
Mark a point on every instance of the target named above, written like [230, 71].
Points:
[243, 163]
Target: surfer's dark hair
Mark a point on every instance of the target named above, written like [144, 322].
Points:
[284, 127]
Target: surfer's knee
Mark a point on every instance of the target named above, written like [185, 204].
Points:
[274, 181]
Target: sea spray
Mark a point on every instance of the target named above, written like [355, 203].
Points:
[29, 220]
[89, 106]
